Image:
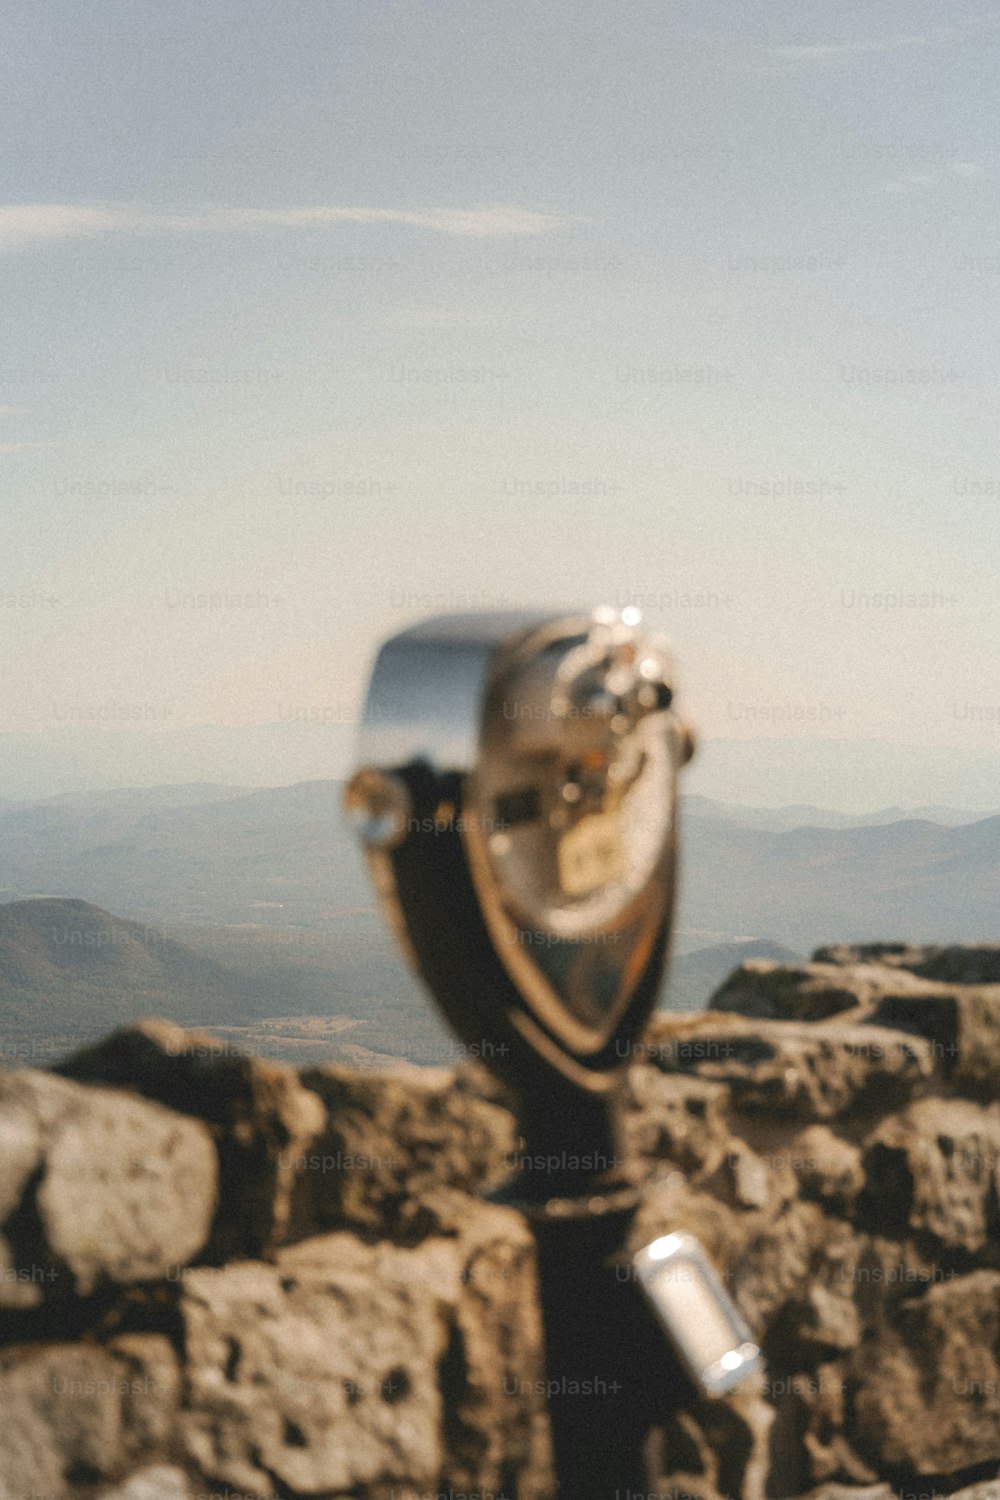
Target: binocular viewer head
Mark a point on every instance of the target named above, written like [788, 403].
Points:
[517, 803]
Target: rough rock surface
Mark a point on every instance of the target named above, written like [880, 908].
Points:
[959, 1021]
[928, 1389]
[283, 1357]
[397, 1149]
[812, 1072]
[261, 1116]
[98, 1186]
[82, 1410]
[221, 1278]
[959, 964]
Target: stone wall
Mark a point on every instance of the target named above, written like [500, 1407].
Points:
[221, 1278]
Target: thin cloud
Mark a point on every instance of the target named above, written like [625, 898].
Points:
[18, 447]
[820, 51]
[938, 36]
[26, 224]
[915, 182]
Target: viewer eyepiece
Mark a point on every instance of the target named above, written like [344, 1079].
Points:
[518, 805]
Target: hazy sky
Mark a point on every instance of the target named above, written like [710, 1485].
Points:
[323, 317]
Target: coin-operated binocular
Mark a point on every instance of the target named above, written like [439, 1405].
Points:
[517, 800]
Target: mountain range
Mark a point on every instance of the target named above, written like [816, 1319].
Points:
[210, 854]
[805, 815]
[251, 911]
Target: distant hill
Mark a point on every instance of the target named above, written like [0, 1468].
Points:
[127, 801]
[70, 971]
[694, 977]
[189, 854]
[804, 815]
[911, 880]
[72, 963]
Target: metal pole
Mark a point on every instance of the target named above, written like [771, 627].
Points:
[612, 1380]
